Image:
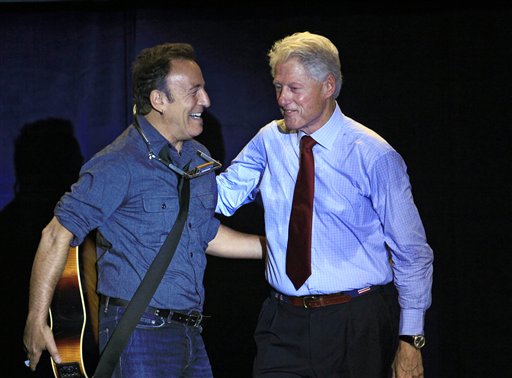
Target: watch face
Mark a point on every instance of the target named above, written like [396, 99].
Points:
[419, 341]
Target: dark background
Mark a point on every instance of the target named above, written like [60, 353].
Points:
[433, 80]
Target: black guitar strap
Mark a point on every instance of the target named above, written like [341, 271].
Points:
[110, 356]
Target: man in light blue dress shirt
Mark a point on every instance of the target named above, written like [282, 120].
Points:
[361, 311]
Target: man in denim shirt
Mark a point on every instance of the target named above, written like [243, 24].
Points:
[131, 198]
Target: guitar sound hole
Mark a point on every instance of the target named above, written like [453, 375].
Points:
[70, 370]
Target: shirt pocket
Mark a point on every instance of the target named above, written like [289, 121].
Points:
[160, 213]
[160, 204]
[202, 209]
[201, 219]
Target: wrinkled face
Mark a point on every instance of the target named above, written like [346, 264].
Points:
[304, 102]
[183, 112]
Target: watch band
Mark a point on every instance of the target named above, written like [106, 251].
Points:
[417, 341]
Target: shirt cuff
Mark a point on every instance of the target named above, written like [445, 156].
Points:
[411, 322]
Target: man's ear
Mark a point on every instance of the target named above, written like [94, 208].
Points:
[157, 100]
[329, 85]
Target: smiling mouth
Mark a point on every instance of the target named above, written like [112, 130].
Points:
[196, 115]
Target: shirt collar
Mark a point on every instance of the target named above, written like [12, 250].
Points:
[328, 133]
[156, 140]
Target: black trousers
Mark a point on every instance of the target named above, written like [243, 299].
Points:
[357, 339]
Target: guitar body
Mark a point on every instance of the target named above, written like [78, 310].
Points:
[68, 319]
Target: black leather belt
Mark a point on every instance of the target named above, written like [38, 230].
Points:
[194, 319]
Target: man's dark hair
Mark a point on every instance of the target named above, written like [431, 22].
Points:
[151, 68]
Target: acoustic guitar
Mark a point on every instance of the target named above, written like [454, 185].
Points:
[68, 313]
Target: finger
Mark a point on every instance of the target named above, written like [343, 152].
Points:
[54, 352]
[56, 358]
[31, 363]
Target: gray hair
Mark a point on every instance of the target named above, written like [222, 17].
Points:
[316, 53]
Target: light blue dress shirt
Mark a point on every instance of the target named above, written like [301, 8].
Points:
[363, 216]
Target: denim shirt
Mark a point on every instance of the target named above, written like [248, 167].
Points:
[133, 202]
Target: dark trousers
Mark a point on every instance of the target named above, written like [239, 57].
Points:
[357, 339]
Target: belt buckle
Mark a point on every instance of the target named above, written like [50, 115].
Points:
[307, 299]
[195, 319]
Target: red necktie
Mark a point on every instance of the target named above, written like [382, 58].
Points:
[298, 252]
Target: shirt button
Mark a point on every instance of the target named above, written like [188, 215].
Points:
[163, 206]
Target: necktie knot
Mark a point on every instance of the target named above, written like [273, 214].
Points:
[307, 143]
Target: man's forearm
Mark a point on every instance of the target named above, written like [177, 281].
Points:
[47, 268]
[234, 244]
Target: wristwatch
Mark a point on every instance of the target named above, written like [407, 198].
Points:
[417, 341]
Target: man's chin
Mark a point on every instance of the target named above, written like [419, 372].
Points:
[290, 125]
[195, 130]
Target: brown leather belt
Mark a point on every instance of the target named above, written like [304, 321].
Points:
[322, 300]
